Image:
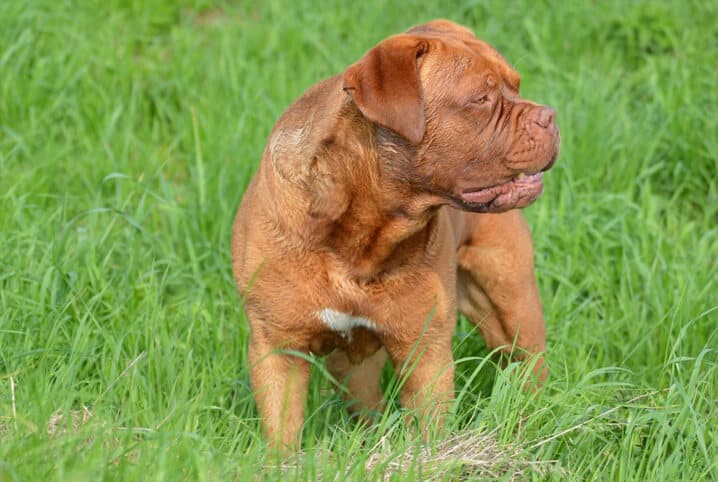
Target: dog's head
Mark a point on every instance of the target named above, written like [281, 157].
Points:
[453, 102]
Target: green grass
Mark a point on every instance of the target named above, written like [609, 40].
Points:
[128, 131]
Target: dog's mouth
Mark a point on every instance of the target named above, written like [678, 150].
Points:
[519, 192]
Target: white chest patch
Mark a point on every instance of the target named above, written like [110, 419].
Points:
[344, 322]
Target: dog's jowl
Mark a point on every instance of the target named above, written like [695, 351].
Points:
[387, 201]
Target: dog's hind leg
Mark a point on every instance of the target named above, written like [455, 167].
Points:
[362, 382]
[496, 285]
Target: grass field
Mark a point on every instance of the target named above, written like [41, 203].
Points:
[128, 132]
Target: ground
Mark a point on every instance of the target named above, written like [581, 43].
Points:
[128, 132]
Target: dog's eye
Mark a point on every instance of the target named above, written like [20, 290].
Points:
[480, 100]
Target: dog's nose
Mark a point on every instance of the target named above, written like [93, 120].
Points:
[546, 117]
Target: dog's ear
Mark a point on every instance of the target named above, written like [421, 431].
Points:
[385, 85]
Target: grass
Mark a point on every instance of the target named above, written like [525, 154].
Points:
[128, 131]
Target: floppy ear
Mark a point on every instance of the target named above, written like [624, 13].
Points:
[384, 85]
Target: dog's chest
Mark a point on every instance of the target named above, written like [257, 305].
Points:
[342, 314]
[358, 336]
[343, 323]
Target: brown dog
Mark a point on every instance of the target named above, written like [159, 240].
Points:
[373, 217]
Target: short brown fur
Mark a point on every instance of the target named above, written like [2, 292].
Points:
[389, 194]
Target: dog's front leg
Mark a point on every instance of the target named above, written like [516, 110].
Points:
[280, 382]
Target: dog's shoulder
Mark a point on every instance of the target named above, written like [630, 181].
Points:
[303, 126]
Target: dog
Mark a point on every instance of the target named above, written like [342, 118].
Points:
[386, 201]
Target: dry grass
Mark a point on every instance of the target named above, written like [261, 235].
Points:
[470, 454]
[464, 455]
[5, 426]
[61, 423]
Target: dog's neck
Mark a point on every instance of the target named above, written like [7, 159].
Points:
[386, 222]
[373, 238]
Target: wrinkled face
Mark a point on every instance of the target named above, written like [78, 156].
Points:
[486, 147]
[475, 144]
